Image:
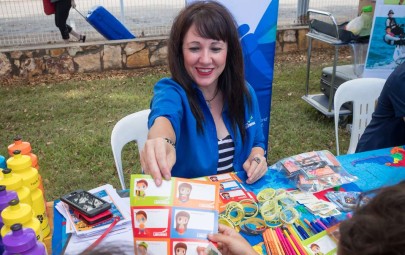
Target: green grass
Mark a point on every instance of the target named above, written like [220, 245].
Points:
[69, 123]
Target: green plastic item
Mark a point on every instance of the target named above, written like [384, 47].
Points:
[367, 8]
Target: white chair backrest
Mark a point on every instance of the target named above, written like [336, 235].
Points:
[133, 127]
[363, 92]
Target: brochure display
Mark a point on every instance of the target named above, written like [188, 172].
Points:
[175, 217]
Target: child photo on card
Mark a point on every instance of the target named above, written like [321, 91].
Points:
[151, 222]
[320, 244]
[195, 194]
[189, 247]
[221, 177]
[190, 223]
[147, 193]
[148, 247]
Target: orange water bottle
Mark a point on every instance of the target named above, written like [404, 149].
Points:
[25, 148]
[22, 213]
[21, 165]
[15, 183]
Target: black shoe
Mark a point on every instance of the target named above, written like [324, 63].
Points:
[82, 38]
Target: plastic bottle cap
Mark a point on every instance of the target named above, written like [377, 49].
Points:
[19, 239]
[14, 202]
[6, 171]
[367, 8]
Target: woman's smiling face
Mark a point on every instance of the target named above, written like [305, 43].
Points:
[204, 59]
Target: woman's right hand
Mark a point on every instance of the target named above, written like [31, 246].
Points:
[157, 159]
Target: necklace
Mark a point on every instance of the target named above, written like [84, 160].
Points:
[209, 100]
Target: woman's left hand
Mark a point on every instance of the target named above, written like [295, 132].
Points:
[255, 167]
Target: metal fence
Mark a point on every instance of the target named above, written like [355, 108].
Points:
[24, 24]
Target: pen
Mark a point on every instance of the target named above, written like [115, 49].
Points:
[279, 247]
[325, 222]
[282, 241]
[295, 249]
[301, 231]
[310, 226]
[302, 224]
[316, 227]
[294, 238]
[298, 232]
[321, 224]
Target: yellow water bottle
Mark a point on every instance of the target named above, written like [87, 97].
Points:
[21, 165]
[15, 182]
[25, 148]
[22, 213]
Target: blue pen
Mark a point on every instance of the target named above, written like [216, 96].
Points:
[302, 231]
[334, 220]
[311, 226]
[298, 232]
[325, 222]
[316, 227]
[320, 224]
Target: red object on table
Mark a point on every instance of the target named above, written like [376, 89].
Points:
[321, 194]
[49, 8]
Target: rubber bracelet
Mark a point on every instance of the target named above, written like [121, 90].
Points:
[269, 210]
[235, 212]
[250, 207]
[289, 215]
[280, 193]
[224, 220]
[288, 201]
[265, 195]
[253, 226]
[169, 141]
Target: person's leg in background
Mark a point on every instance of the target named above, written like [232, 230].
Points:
[62, 9]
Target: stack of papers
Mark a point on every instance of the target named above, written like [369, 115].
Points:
[82, 235]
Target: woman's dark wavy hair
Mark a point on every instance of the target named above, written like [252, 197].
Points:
[213, 21]
[378, 227]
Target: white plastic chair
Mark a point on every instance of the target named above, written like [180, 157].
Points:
[363, 92]
[133, 127]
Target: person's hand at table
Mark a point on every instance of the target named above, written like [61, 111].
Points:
[159, 153]
[231, 242]
[255, 166]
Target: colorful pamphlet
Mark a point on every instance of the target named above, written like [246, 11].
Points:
[231, 189]
[175, 217]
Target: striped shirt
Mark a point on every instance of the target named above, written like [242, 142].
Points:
[226, 149]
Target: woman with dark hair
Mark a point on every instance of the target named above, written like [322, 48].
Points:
[205, 119]
[62, 8]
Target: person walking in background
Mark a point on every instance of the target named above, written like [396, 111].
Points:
[62, 8]
[206, 116]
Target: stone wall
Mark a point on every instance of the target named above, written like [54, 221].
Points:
[124, 54]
